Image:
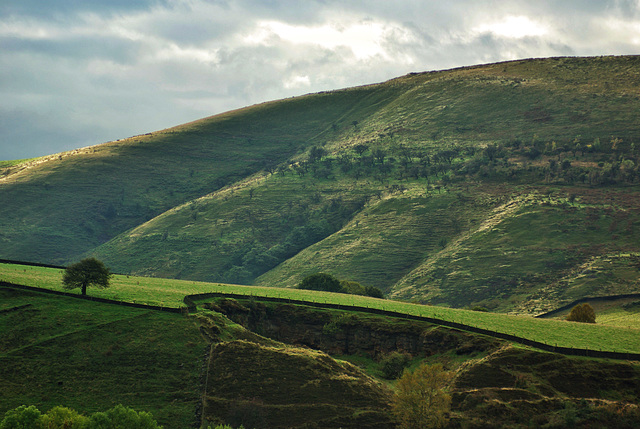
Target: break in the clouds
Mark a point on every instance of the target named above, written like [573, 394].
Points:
[79, 72]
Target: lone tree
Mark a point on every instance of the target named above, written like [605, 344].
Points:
[88, 272]
[582, 313]
[420, 400]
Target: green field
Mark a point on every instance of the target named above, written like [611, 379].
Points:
[91, 356]
[169, 293]
[622, 313]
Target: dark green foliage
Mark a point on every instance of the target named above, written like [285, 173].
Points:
[321, 281]
[118, 417]
[373, 291]
[328, 283]
[583, 313]
[392, 365]
[122, 417]
[316, 154]
[88, 272]
[353, 288]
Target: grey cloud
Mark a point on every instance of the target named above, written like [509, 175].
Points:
[85, 48]
[107, 70]
[49, 9]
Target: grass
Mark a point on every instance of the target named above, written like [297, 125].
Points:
[91, 195]
[203, 202]
[620, 317]
[417, 243]
[622, 313]
[292, 387]
[90, 357]
[533, 249]
[15, 162]
[169, 293]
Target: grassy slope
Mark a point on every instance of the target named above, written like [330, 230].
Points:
[170, 293]
[545, 242]
[291, 387]
[58, 207]
[391, 230]
[391, 237]
[90, 357]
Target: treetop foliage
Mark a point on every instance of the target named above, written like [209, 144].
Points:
[321, 281]
[420, 399]
[583, 313]
[328, 283]
[30, 417]
[88, 272]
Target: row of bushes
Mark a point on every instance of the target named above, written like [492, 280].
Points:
[118, 417]
[328, 283]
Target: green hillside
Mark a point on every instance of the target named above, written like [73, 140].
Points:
[507, 185]
[56, 208]
[90, 356]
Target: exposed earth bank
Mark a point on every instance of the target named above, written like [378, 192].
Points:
[281, 375]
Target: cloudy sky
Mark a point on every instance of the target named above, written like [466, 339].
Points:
[80, 72]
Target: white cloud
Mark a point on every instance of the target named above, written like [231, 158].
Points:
[297, 82]
[619, 29]
[515, 27]
[365, 38]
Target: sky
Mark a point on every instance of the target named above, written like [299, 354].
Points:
[74, 73]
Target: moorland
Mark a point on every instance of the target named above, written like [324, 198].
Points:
[510, 188]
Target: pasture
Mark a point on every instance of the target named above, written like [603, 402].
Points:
[170, 293]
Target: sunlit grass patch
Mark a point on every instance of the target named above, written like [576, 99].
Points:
[170, 293]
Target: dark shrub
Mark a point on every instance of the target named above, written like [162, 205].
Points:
[321, 281]
[582, 313]
[393, 364]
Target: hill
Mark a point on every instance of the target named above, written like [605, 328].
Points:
[512, 186]
[57, 351]
[237, 362]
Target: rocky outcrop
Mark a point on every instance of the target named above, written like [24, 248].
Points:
[339, 332]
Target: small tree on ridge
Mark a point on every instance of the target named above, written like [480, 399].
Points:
[88, 272]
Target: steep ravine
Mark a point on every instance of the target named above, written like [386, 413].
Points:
[496, 384]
